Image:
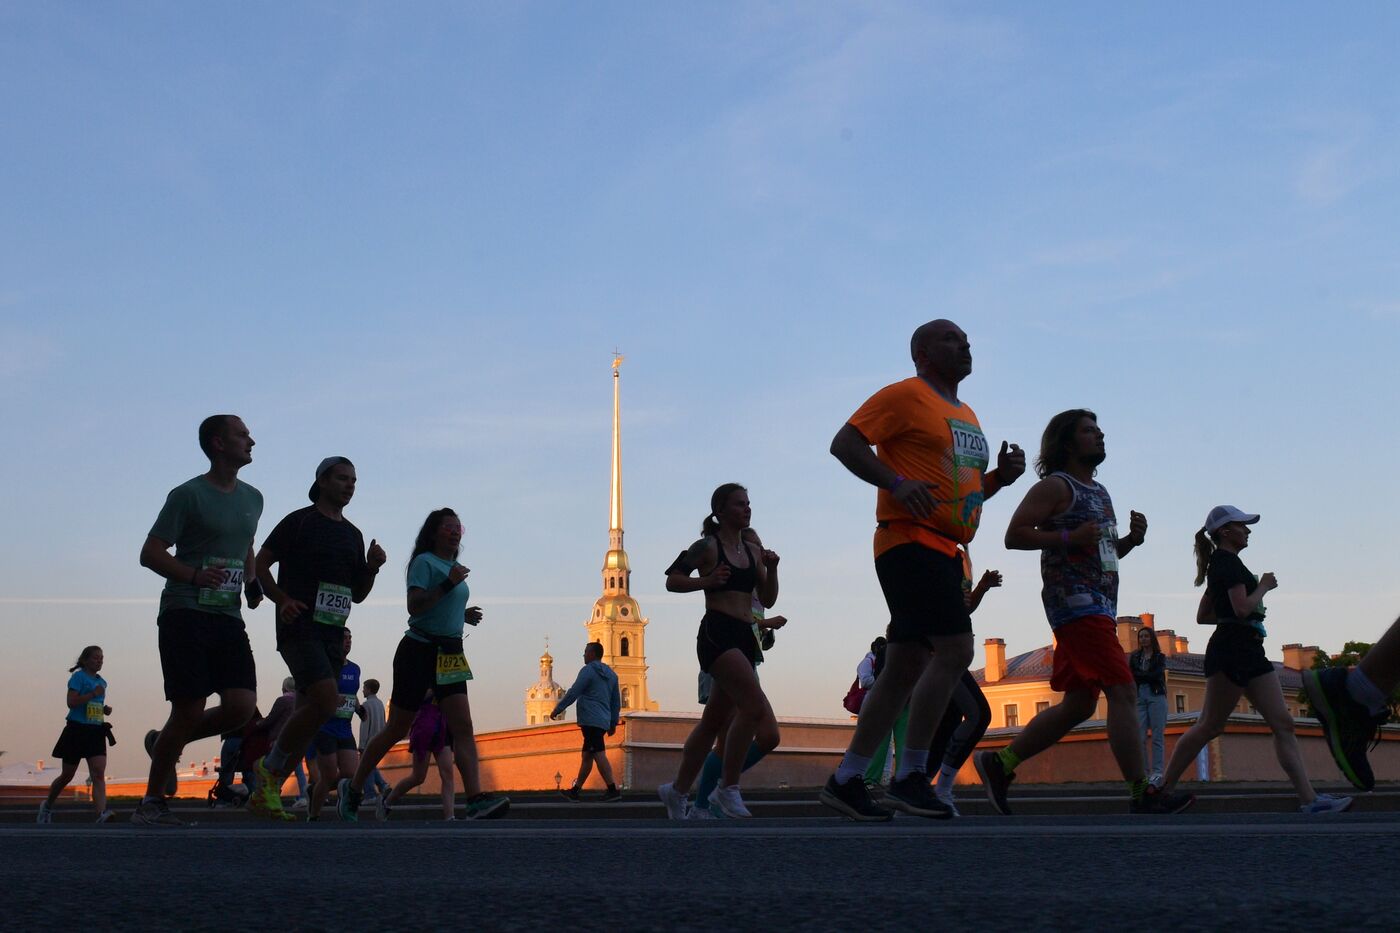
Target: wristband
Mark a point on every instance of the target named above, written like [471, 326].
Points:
[447, 586]
[1064, 540]
[895, 484]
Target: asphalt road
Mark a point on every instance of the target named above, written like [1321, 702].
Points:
[1201, 872]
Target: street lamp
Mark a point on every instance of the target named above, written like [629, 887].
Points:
[558, 779]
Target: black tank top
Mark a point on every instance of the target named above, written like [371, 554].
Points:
[741, 579]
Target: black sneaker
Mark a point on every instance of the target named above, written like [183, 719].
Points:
[912, 794]
[612, 795]
[569, 794]
[853, 800]
[1156, 800]
[995, 780]
[1347, 725]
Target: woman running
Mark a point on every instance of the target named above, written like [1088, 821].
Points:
[1235, 663]
[731, 570]
[84, 735]
[429, 740]
[1150, 674]
[430, 659]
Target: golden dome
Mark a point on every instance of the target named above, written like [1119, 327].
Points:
[619, 608]
[616, 560]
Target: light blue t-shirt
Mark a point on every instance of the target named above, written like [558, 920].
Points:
[90, 713]
[449, 615]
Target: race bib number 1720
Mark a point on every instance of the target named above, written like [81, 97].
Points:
[969, 445]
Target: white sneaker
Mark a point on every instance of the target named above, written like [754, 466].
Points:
[105, 816]
[301, 803]
[1327, 803]
[382, 808]
[945, 794]
[700, 813]
[729, 803]
[677, 804]
[45, 813]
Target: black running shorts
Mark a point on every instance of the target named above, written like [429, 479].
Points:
[1237, 651]
[312, 658]
[720, 632]
[204, 653]
[415, 673]
[923, 589]
[593, 739]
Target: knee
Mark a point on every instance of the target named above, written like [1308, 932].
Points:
[238, 709]
[1079, 708]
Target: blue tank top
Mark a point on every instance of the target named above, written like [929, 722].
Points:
[1081, 581]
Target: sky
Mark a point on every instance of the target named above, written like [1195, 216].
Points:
[414, 234]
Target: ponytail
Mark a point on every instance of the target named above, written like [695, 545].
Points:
[718, 499]
[1205, 547]
[86, 653]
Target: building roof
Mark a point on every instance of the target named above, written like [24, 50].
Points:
[1037, 665]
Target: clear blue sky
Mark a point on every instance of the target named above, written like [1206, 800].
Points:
[414, 235]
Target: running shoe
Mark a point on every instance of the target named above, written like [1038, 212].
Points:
[382, 808]
[484, 806]
[677, 804]
[852, 800]
[1327, 803]
[728, 802]
[946, 796]
[45, 814]
[912, 794]
[701, 813]
[347, 801]
[1347, 725]
[1157, 801]
[612, 795]
[301, 803]
[172, 782]
[155, 813]
[105, 816]
[995, 780]
[265, 801]
[570, 794]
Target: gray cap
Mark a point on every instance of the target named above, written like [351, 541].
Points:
[1222, 515]
[326, 464]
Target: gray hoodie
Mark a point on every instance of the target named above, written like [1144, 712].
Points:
[595, 689]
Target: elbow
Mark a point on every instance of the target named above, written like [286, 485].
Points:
[674, 583]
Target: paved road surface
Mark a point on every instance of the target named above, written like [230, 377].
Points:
[1202, 872]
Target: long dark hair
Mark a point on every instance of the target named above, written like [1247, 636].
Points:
[1156, 648]
[1055, 442]
[717, 500]
[87, 653]
[1206, 542]
[428, 534]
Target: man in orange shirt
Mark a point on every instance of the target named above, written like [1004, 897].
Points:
[930, 465]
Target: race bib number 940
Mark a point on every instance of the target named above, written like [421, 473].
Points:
[452, 668]
[969, 445]
[226, 594]
[332, 604]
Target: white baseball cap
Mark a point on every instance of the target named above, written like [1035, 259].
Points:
[1222, 515]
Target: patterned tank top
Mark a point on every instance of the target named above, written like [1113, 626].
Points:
[1081, 581]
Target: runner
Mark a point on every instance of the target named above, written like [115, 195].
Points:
[1235, 664]
[731, 569]
[322, 570]
[429, 740]
[1353, 703]
[430, 658]
[599, 705]
[1069, 518]
[968, 714]
[210, 521]
[930, 465]
[85, 735]
[337, 755]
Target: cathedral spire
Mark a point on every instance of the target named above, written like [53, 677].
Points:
[615, 497]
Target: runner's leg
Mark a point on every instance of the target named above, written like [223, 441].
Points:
[1222, 696]
[444, 757]
[97, 771]
[65, 776]
[1124, 737]
[1266, 695]
[397, 726]
[456, 709]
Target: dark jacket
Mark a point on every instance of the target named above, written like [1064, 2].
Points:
[1156, 674]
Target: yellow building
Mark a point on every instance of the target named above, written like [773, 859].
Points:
[544, 694]
[1019, 687]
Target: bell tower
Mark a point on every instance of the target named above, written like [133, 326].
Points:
[541, 697]
[617, 622]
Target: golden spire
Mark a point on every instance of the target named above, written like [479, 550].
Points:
[615, 499]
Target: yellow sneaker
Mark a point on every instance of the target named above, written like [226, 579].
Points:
[266, 801]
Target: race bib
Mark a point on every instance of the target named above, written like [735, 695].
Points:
[969, 445]
[346, 710]
[1108, 547]
[332, 604]
[1259, 610]
[226, 594]
[94, 712]
[452, 668]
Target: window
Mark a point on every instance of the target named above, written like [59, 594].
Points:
[1041, 706]
[1013, 718]
[624, 612]
[626, 697]
[1181, 702]
[622, 651]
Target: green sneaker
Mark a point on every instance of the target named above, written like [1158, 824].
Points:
[347, 801]
[486, 807]
[266, 801]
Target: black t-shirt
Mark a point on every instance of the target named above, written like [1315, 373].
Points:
[1224, 571]
[313, 550]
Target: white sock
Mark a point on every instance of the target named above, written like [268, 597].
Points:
[1365, 692]
[852, 766]
[947, 776]
[916, 759]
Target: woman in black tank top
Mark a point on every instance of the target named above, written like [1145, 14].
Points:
[732, 566]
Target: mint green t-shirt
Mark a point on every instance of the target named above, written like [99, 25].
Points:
[448, 617]
[209, 528]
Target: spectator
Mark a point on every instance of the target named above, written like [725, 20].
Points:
[1150, 673]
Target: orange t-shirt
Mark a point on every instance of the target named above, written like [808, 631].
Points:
[922, 436]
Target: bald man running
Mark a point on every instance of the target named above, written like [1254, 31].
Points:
[930, 465]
